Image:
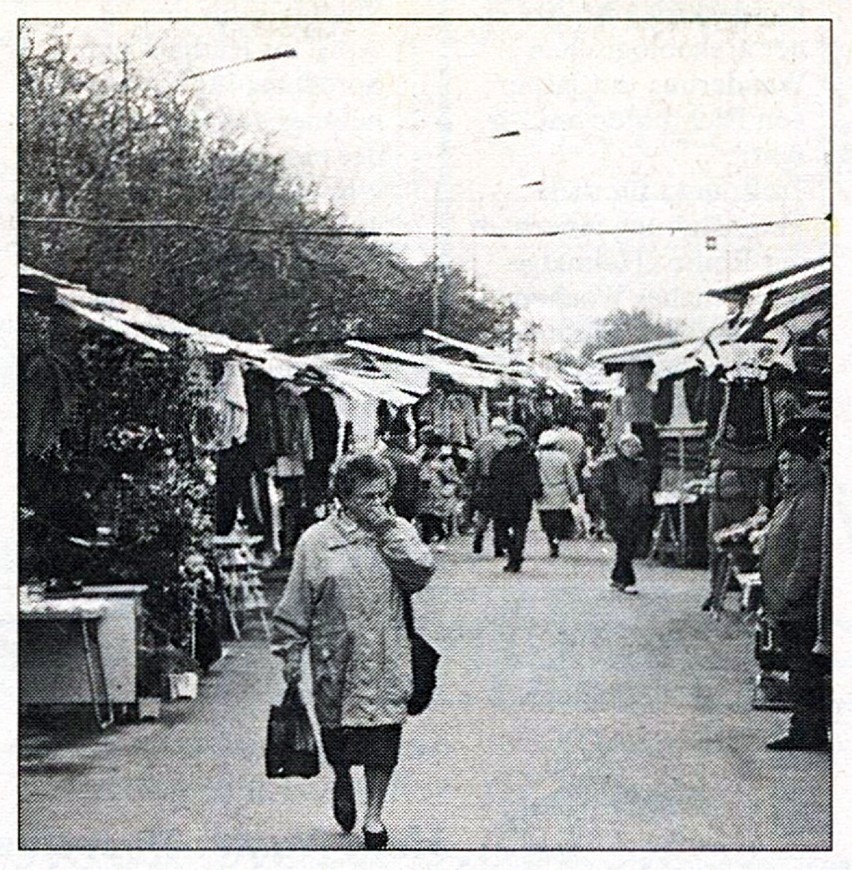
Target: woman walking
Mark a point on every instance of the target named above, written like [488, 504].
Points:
[515, 483]
[559, 483]
[344, 600]
[628, 507]
[439, 481]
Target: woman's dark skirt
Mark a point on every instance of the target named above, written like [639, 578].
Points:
[557, 525]
[371, 746]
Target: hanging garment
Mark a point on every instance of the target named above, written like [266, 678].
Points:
[324, 425]
[663, 403]
[401, 424]
[364, 422]
[432, 410]
[229, 398]
[463, 424]
[294, 441]
[748, 414]
[262, 418]
[384, 418]
[234, 490]
[638, 397]
[746, 425]
[695, 392]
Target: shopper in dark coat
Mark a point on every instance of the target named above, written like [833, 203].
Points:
[628, 507]
[406, 489]
[478, 478]
[515, 484]
[790, 570]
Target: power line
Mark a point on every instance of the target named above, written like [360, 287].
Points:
[370, 233]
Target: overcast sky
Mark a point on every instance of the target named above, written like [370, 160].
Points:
[626, 124]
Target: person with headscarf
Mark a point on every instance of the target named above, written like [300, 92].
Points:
[791, 562]
[560, 494]
[515, 484]
[628, 507]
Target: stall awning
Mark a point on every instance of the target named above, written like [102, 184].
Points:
[724, 353]
[462, 374]
[781, 299]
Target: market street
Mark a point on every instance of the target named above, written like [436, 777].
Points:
[566, 716]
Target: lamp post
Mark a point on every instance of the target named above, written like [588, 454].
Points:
[276, 55]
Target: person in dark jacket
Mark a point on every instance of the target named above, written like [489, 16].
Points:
[790, 570]
[406, 489]
[515, 484]
[478, 479]
[628, 507]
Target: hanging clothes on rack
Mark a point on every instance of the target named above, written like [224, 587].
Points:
[464, 428]
[231, 408]
[262, 418]
[325, 426]
[357, 420]
[746, 426]
[294, 441]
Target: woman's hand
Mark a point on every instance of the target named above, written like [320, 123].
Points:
[379, 519]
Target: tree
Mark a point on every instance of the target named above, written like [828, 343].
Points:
[622, 327]
[107, 147]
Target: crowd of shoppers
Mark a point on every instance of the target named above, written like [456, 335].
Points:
[347, 597]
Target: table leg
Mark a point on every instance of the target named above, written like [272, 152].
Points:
[95, 669]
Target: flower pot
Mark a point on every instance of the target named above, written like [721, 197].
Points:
[183, 685]
[149, 708]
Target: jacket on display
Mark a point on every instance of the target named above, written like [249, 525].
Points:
[324, 425]
[231, 408]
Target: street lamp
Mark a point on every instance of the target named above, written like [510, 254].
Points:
[276, 55]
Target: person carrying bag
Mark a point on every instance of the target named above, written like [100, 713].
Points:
[345, 601]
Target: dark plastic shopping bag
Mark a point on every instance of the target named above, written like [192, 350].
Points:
[291, 747]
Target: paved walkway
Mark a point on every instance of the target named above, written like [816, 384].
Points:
[567, 716]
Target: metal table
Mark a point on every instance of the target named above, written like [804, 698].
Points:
[59, 640]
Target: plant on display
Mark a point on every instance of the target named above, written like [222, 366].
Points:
[159, 503]
[128, 467]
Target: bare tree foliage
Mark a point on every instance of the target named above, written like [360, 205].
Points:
[106, 146]
[622, 327]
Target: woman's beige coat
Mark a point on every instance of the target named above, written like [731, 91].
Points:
[343, 599]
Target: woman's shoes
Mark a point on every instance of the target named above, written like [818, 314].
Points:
[344, 802]
[375, 839]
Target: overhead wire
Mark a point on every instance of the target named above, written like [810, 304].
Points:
[352, 232]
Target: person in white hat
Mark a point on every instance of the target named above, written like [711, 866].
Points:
[628, 507]
[559, 483]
